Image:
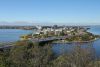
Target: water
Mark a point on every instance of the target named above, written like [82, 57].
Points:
[95, 30]
[10, 35]
[59, 48]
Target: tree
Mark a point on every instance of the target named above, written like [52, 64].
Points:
[78, 57]
[34, 56]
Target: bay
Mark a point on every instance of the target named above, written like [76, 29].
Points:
[10, 35]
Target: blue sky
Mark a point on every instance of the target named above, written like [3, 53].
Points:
[69, 12]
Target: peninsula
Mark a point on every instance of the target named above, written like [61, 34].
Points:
[64, 34]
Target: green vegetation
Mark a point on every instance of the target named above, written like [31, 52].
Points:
[26, 37]
[87, 37]
[82, 38]
[28, 54]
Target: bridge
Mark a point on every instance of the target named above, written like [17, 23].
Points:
[5, 46]
[49, 39]
[41, 41]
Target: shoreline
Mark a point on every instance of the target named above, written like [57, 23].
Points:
[76, 41]
[7, 43]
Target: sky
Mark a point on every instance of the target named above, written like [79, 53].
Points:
[46, 12]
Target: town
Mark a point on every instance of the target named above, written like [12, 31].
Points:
[63, 33]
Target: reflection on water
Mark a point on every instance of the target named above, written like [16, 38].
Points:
[61, 48]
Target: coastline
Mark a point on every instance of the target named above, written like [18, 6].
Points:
[67, 42]
[7, 43]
